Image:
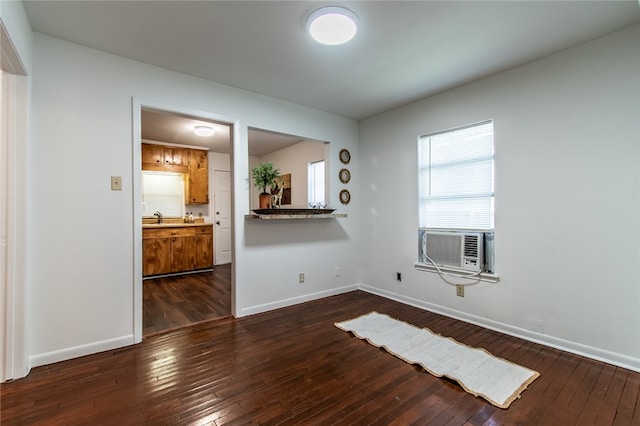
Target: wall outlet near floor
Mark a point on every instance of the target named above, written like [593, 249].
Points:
[337, 271]
[301, 278]
[399, 276]
[460, 290]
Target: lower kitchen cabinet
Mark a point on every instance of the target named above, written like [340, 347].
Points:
[176, 249]
[183, 251]
[156, 255]
[204, 247]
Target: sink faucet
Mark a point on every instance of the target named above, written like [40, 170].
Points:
[159, 215]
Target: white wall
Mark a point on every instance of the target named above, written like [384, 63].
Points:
[83, 233]
[294, 160]
[567, 146]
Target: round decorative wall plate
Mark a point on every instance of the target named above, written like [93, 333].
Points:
[345, 196]
[345, 156]
[345, 175]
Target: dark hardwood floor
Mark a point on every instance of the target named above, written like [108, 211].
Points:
[293, 366]
[177, 301]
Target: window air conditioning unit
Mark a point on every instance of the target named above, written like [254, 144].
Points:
[453, 249]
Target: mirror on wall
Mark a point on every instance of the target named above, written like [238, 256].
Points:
[302, 164]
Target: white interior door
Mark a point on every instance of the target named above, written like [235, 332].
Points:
[222, 217]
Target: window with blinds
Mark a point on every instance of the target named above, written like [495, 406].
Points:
[456, 178]
[315, 183]
[163, 192]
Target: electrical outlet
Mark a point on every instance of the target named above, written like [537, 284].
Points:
[116, 183]
[301, 278]
[398, 276]
[337, 271]
[460, 290]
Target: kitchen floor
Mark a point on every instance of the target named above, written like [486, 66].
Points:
[174, 302]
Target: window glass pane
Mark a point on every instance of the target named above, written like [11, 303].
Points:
[315, 176]
[164, 192]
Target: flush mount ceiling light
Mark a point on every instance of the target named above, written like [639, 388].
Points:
[332, 25]
[203, 130]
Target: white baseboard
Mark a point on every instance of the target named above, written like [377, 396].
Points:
[252, 310]
[119, 342]
[609, 357]
[598, 354]
[78, 351]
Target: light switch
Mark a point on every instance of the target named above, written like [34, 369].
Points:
[116, 183]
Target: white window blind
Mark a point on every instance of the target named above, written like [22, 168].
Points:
[456, 178]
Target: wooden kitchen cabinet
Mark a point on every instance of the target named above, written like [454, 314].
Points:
[183, 251]
[152, 155]
[176, 249]
[156, 254]
[204, 247]
[168, 250]
[198, 188]
[174, 156]
[165, 158]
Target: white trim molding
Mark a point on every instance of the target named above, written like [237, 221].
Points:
[13, 228]
[252, 310]
[137, 104]
[82, 350]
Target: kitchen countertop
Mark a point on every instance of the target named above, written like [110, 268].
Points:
[173, 225]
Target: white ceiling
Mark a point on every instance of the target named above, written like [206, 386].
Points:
[404, 51]
[177, 129]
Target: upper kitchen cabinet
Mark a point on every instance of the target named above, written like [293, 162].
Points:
[162, 158]
[176, 156]
[152, 155]
[198, 191]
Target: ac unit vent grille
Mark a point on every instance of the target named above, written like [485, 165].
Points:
[471, 246]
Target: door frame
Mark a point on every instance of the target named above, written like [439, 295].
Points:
[14, 161]
[137, 105]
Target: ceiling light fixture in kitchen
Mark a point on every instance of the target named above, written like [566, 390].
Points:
[203, 130]
[332, 25]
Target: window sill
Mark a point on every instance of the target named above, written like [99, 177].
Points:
[485, 276]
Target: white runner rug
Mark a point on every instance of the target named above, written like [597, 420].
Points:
[481, 374]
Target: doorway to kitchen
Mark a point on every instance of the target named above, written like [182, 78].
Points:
[181, 280]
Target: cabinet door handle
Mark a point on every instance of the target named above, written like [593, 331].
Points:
[217, 222]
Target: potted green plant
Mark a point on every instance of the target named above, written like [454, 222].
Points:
[264, 175]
